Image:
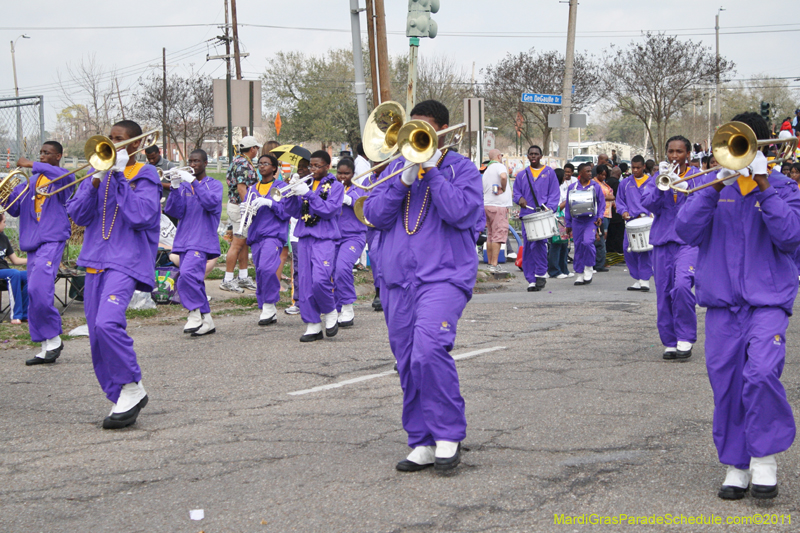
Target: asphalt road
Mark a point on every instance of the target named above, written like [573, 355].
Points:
[571, 410]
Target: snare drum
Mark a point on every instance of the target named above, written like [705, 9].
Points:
[638, 231]
[540, 225]
[582, 203]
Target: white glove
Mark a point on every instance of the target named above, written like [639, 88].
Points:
[259, 202]
[433, 160]
[409, 175]
[664, 167]
[733, 175]
[121, 162]
[301, 188]
[346, 200]
[175, 181]
[759, 164]
[188, 177]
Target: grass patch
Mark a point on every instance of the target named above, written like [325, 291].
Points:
[141, 313]
[15, 336]
[217, 273]
[244, 301]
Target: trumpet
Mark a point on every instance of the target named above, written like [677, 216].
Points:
[101, 154]
[670, 179]
[166, 175]
[9, 183]
[248, 212]
[734, 147]
[278, 194]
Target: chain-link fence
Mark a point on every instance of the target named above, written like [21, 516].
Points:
[21, 128]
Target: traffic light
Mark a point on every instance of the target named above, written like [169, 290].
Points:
[419, 18]
[765, 111]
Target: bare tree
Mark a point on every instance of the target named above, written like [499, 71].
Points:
[656, 79]
[90, 93]
[439, 78]
[535, 72]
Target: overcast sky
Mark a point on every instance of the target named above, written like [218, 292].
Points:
[484, 32]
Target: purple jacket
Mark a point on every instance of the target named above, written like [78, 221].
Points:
[665, 207]
[545, 187]
[327, 227]
[198, 206]
[349, 225]
[629, 197]
[133, 242]
[746, 244]
[599, 196]
[53, 224]
[443, 249]
[269, 221]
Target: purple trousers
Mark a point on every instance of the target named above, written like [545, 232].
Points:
[105, 299]
[315, 277]
[745, 352]
[422, 329]
[191, 282]
[583, 233]
[43, 317]
[267, 260]
[674, 267]
[534, 259]
[347, 253]
[639, 263]
[374, 260]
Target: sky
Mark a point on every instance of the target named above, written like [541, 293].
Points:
[122, 35]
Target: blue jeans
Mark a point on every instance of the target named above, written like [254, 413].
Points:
[17, 281]
[600, 246]
[557, 259]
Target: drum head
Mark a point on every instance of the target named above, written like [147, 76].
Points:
[640, 223]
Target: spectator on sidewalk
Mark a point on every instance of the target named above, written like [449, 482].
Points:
[600, 244]
[17, 280]
[559, 248]
[495, 185]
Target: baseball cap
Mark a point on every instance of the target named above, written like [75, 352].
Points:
[248, 142]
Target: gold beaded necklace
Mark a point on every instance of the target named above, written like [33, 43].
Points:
[116, 208]
[423, 211]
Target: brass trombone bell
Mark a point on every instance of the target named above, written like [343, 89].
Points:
[8, 184]
[358, 208]
[417, 141]
[381, 130]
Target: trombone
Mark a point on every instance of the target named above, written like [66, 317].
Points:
[9, 183]
[734, 147]
[101, 154]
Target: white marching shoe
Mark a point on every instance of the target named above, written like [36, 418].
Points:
[420, 458]
[735, 485]
[645, 284]
[587, 275]
[132, 399]
[347, 316]
[207, 328]
[765, 477]
[269, 315]
[448, 455]
[194, 322]
[331, 321]
[313, 333]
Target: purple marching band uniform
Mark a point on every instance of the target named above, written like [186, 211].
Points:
[629, 199]
[348, 249]
[318, 245]
[43, 237]
[266, 236]
[534, 254]
[122, 219]
[747, 278]
[674, 263]
[428, 269]
[198, 207]
[374, 244]
[584, 228]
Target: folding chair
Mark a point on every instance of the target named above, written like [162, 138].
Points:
[5, 311]
[69, 284]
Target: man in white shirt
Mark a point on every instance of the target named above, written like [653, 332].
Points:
[495, 201]
[361, 163]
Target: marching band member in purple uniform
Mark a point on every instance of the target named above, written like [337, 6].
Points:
[266, 236]
[535, 186]
[428, 267]
[120, 209]
[349, 247]
[43, 232]
[674, 261]
[629, 203]
[374, 244]
[196, 200]
[583, 228]
[747, 231]
[317, 212]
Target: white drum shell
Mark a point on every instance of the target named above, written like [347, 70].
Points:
[540, 225]
[638, 231]
[582, 203]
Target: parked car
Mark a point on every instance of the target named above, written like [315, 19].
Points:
[583, 158]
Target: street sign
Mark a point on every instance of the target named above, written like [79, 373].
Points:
[576, 120]
[535, 98]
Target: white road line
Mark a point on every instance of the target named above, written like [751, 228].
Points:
[382, 374]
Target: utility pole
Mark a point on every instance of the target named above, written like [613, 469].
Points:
[358, 64]
[566, 90]
[16, 93]
[383, 51]
[228, 83]
[164, 102]
[373, 63]
[716, 89]
[119, 97]
[236, 57]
